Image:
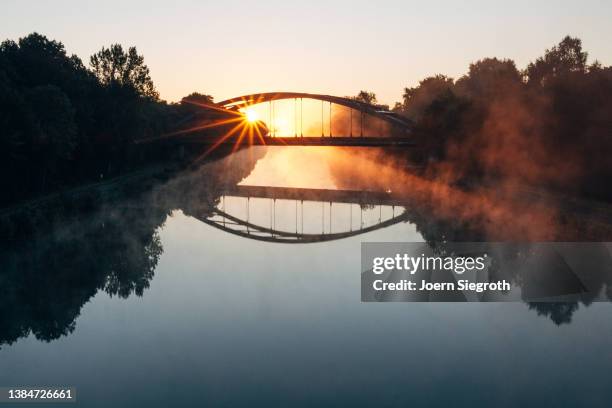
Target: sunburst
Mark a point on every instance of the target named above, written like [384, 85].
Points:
[246, 123]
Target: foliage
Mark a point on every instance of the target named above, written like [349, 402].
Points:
[61, 123]
[366, 97]
[560, 60]
[115, 67]
[546, 126]
[417, 99]
[488, 79]
[197, 98]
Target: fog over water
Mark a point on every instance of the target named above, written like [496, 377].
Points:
[189, 295]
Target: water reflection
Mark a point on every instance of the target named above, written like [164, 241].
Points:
[46, 281]
[301, 215]
[553, 278]
[48, 271]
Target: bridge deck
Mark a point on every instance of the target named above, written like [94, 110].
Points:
[309, 141]
[315, 194]
[337, 141]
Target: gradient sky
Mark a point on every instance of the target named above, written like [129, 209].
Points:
[229, 48]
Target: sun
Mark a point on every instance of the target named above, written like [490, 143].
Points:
[251, 115]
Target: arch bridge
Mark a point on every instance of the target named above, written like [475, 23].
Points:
[390, 128]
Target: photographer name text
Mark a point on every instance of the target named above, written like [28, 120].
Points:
[413, 264]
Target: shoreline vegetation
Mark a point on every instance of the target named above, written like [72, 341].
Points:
[63, 124]
[548, 126]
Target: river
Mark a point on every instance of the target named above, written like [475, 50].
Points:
[195, 294]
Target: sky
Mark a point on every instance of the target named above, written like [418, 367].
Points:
[232, 48]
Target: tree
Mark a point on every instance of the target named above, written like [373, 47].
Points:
[36, 60]
[489, 78]
[366, 97]
[113, 66]
[13, 114]
[564, 58]
[418, 99]
[197, 98]
[61, 123]
[53, 130]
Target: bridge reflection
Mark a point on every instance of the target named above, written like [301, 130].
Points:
[301, 215]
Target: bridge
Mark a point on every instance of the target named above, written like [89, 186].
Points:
[281, 212]
[265, 140]
[355, 123]
[355, 107]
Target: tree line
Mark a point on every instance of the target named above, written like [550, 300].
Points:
[549, 124]
[62, 122]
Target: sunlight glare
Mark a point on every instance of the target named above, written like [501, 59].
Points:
[251, 115]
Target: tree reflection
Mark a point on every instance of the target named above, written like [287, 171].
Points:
[47, 279]
[558, 312]
[48, 272]
[51, 271]
[444, 216]
[553, 274]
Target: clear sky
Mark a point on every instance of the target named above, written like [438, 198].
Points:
[229, 48]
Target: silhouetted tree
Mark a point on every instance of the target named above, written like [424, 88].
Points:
[416, 100]
[559, 60]
[61, 123]
[197, 98]
[489, 78]
[366, 97]
[52, 128]
[114, 66]
[546, 126]
[194, 104]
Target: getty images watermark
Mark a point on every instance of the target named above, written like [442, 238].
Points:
[484, 271]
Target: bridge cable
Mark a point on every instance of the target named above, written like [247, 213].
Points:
[247, 217]
[361, 123]
[330, 119]
[361, 213]
[270, 123]
[271, 224]
[322, 217]
[322, 122]
[274, 212]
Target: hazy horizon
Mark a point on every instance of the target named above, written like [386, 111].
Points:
[335, 48]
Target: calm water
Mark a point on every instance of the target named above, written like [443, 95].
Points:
[186, 297]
